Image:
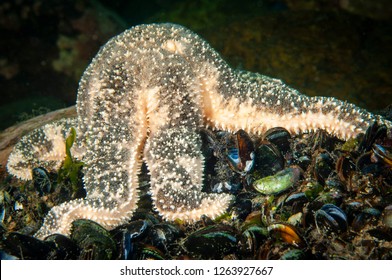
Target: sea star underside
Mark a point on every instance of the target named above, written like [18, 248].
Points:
[144, 97]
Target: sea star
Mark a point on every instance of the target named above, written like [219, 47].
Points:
[144, 97]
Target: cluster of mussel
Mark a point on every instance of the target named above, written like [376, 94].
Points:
[308, 196]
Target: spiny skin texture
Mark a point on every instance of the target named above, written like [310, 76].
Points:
[144, 97]
[43, 147]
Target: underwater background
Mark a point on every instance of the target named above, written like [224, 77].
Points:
[340, 48]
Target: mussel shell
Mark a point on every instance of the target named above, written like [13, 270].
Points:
[294, 202]
[334, 183]
[286, 232]
[241, 157]
[234, 159]
[127, 235]
[331, 218]
[352, 209]
[54, 247]
[323, 166]
[41, 181]
[296, 199]
[268, 160]
[251, 239]
[241, 208]
[148, 252]
[383, 153]
[279, 136]
[254, 218]
[164, 235]
[304, 161]
[2, 213]
[345, 166]
[321, 139]
[354, 206]
[127, 246]
[365, 164]
[26, 247]
[95, 242]
[246, 150]
[294, 254]
[211, 242]
[372, 212]
[280, 182]
[374, 132]
[136, 228]
[295, 219]
[66, 248]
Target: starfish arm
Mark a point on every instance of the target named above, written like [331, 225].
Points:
[176, 166]
[114, 138]
[105, 212]
[44, 147]
[259, 103]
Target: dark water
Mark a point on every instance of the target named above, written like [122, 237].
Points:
[330, 48]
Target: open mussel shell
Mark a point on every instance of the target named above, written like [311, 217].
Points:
[286, 232]
[211, 242]
[240, 157]
[94, 241]
[331, 218]
[280, 182]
